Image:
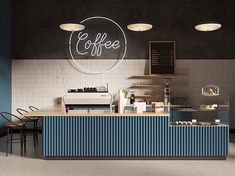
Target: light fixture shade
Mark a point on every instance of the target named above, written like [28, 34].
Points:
[72, 27]
[208, 26]
[139, 27]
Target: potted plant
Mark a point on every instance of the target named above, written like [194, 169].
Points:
[125, 92]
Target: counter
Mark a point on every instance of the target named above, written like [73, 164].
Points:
[57, 111]
[128, 135]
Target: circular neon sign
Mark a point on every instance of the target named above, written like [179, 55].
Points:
[81, 45]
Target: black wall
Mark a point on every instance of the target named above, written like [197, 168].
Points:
[35, 32]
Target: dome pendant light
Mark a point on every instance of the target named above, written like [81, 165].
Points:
[139, 27]
[71, 27]
[208, 26]
[139, 21]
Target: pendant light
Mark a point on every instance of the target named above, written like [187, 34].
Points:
[139, 27]
[139, 19]
[71, 27]
[208, 26]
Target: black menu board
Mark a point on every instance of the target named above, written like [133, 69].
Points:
[161, 57]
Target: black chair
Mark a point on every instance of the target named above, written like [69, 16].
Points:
[33, 108]
[34, 121]
[19, 125]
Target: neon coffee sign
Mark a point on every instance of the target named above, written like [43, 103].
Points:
[97, 46]
[85, 45]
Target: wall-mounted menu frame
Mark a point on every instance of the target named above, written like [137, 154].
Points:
[161, 57]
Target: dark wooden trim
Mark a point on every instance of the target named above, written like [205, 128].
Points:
[135, 158]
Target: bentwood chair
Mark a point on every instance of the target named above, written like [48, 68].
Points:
[33, 120]
[33, 108]
[14, 125]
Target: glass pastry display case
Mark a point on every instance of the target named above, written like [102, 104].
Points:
[211, 110]
[214, 110]
[210, 90]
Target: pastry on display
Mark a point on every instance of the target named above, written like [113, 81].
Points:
[183, 123]
[190, 123]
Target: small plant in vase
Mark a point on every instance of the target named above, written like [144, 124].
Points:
[125, 92]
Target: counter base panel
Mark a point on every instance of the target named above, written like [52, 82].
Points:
[199, 141]
[105, 136]
[130, 136]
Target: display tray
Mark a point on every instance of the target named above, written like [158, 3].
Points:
[189, 123]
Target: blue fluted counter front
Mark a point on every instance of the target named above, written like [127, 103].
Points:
[199, 141]
[105, 136]
[130, 136]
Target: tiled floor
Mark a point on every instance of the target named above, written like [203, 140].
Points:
[14, 165]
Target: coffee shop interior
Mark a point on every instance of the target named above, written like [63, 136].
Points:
[119, 87]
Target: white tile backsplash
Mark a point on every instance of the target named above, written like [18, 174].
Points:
[40, 82]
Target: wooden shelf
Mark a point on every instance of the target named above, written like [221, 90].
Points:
[157, 76]
[152, 86]
[147, 96]
[202, 109]
[146, 86]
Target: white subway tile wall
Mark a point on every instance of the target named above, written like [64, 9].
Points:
[41, 82]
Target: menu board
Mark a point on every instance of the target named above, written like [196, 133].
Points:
[161, 57]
